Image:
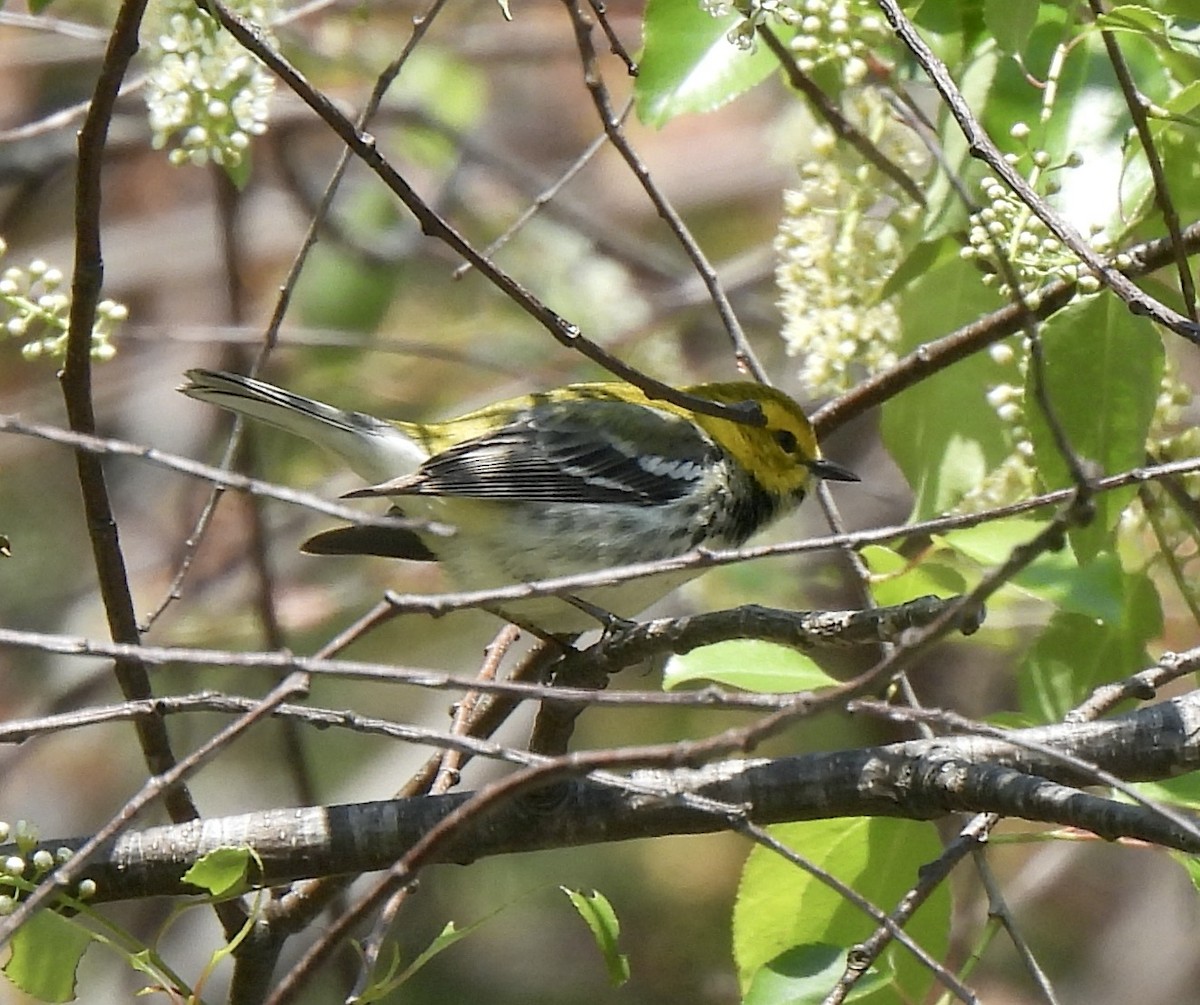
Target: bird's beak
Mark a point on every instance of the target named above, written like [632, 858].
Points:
[828, 470]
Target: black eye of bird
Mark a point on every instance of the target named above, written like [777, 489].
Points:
[786, 440]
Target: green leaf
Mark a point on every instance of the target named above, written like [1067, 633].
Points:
[896, 580]
[38, 6]
[383, 984]
[1011, 23]
[781, 907]
[46, 952]
[1095, 590]
[222, 872]
[942, 433]
[452, 92]
[1102, 371]
[1175, 139]
[337, 290]
[925, 256]
[1075, 653]
[448, 936]
[688, 64]
[944, 17]
[749, 664]
[991, 543]
[803, 975]
[600, 917]
[945, 212]
[1088, 115]
[1168, 34]
[1054, 675]
[1093, 123]
[1182, 791]
[1134, 18]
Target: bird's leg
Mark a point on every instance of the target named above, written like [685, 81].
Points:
[611, 623]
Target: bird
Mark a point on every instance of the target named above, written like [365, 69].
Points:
[578, 479]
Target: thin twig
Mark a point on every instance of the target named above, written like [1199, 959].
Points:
[487, 719]
[1141, 686]
[1028, 739]
[1162, 190]
[1081, 479]
[998, 909]
[270, 337]
[938, 354]
[440, 604]
[434, 225]
[828, 110]
[886, 922]
[106, 446]
[77, 392]
[466, 708]
[1167, 554]
[64, 117]
[861, 957]
[548, 194]
[981, 147]
[665, 635]
[594, 82]
[295, 754]
[615, 45]
[155, 787]
[54, 25]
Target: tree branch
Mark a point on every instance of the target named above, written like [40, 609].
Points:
[919, 779]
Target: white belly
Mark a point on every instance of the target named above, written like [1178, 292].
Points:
[507, 543]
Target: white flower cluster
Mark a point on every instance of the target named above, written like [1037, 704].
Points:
[13, 867]
[1016, 476]
[1173, 437]
[842, 33]
[1170, 437]
[34, 307]
[837, 244]
[836, 32]
[1006, 229]
[205, 93]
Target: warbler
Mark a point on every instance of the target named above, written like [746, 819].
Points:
[574, 480]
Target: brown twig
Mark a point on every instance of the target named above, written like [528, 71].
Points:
[155, 787]
[77, 392]
[1162, 191]
[485, 721]
[615, 45]
[982, 148]
[937, 354]
[104, 446]
[743, 351]
[892, 923]
[433, 225]
[828, 110]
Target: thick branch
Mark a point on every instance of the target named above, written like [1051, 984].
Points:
[920, 779]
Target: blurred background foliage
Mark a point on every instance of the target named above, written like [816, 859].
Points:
[485, 115]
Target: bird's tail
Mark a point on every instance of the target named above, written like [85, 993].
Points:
[374, 449]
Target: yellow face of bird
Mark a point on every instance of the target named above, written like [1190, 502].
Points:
[778, 452]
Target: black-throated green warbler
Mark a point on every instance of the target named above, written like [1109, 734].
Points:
[574, 480]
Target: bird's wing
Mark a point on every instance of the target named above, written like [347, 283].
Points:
[591, 452]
